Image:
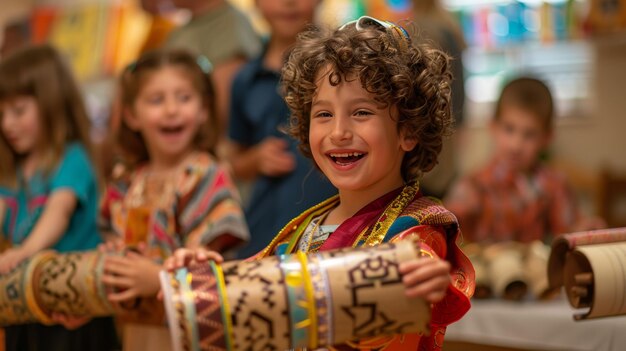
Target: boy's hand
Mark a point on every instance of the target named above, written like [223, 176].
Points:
[274, 158]
[184, 257]
[427, 278]
[132, 276]
[10, 258]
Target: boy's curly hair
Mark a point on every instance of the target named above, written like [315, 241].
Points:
[413, 78]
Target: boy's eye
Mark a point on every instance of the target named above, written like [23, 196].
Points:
[362, 113]
[323, 114]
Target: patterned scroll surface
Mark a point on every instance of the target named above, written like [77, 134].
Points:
[14, 308]
[208, 308]
[367, 293]
[258, 305]
[70, 283]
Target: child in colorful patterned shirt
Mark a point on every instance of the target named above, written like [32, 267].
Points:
[170, 191]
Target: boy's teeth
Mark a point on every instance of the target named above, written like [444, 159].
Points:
[346, 154]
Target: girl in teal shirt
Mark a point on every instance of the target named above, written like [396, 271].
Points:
[48, 186]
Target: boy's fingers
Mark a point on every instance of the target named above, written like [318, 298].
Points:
[181, 258]
[202, 255]
[421, 271]
[429, 289]
[168, 265]
[409, 266]
[184, 257]
[212, 255]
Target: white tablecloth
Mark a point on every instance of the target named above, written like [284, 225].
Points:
[537, 325]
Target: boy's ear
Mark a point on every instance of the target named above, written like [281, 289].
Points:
[130, 119]
[407, 142]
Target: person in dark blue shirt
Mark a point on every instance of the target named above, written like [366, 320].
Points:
[284, 183]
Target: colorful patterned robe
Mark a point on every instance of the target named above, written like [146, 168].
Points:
[191, 208]
[400, 214]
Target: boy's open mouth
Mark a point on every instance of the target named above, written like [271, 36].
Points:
[346, 158]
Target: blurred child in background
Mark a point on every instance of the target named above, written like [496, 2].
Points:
[284, 182]
[228, 51]
[48, 186]
[516, 198]
[437, 26]
[170, 192]
[371, 109]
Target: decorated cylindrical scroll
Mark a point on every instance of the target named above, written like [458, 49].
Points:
[293, 301]
[18, 304]
[71, 284]
[51, 282]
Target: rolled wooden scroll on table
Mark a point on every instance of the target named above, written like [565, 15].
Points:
[592, 268]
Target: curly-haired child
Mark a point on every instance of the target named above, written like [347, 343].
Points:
[371, 109]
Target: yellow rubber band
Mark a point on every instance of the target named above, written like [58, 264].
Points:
[228, 325]
[308, 288]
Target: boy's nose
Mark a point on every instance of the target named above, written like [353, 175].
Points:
[341, 130]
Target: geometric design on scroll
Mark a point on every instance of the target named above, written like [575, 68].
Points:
[208, 309]
[253, 313]
[366, 280]
[57, 284]
[13, 307]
